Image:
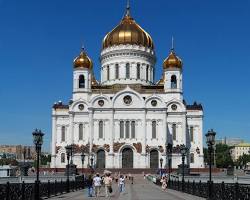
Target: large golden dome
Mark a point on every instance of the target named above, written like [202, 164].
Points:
[82, 61]
[172, 61]
[128, 32]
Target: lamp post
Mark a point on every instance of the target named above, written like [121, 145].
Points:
[82, 158]
[38, 141]
[68, 152]
[183, 150]
[169, 154]
[161, 160]
[210, 143]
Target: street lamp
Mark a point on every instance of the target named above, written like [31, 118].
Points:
[68, 152]
[210, 143]
[38, 141]
[161, 160]
[169, 154]
[82, 158]
[183, 150]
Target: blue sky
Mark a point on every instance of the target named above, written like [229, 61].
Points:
[39, 39]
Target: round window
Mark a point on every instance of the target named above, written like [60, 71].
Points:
[127, 99]
[174, 107]
[81, 106]
[101, 103]
[154, 103]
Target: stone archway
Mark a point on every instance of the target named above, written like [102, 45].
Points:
[154, 159]
[127, 158]
[100, 160]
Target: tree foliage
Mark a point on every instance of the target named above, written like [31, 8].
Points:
[223, 157]
[8, 161]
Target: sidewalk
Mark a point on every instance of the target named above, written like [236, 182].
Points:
[141, 190]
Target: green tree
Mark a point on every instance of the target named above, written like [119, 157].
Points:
[243, 160]
[223, 157]
[8, 161]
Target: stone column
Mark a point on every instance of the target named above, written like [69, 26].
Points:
[71, 128]
[53, 142]
[144, 136]
[91, 130]
[111, 152]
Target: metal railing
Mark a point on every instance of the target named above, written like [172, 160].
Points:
[26, 191]
[222, 191]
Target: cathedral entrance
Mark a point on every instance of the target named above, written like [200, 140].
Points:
[127, 158]
[100, 161]
[154, 159]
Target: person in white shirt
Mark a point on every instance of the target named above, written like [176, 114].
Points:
[97, 182]
[121, 183]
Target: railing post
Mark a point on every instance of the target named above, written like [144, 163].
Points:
[178, 185]
[188, 187]
[23, 190]
[193, 188]
[222, 191]
[48, 188]
[8, 191]
[62, 187]
[199, 187]
[236, 193]
[55, 187]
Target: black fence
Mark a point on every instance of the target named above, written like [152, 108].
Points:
[219, 191]
[26, 191]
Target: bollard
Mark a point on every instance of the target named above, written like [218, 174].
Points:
[23, 190]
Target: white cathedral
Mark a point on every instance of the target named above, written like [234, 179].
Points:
[127, 119]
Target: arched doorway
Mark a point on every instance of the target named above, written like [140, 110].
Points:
[100, 161]
[154, 159]
[127, 158]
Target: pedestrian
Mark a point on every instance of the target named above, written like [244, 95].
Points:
[97, 182]
[89, 183]
[121, 183]
[163, 183]
[108, 185]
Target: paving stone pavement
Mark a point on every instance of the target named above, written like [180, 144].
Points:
[140, 190]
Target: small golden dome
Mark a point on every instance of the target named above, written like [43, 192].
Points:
[172, 61]
[128, 32]
[82, 61]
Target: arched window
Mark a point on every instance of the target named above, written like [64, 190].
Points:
[133, 129]
[174, 131]
[108, 73]
[63, 133]
[63, 158]
[191, 158]
[127, 70]
[116, 71]
[100, 129]
[127, 129]
[191, 134]
[173, 82]
[121, 129]
[81, 81]
[147, 69]
[138, 71]
[153, 129]
[80, 132]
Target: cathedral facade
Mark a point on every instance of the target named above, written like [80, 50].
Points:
[127, 119]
